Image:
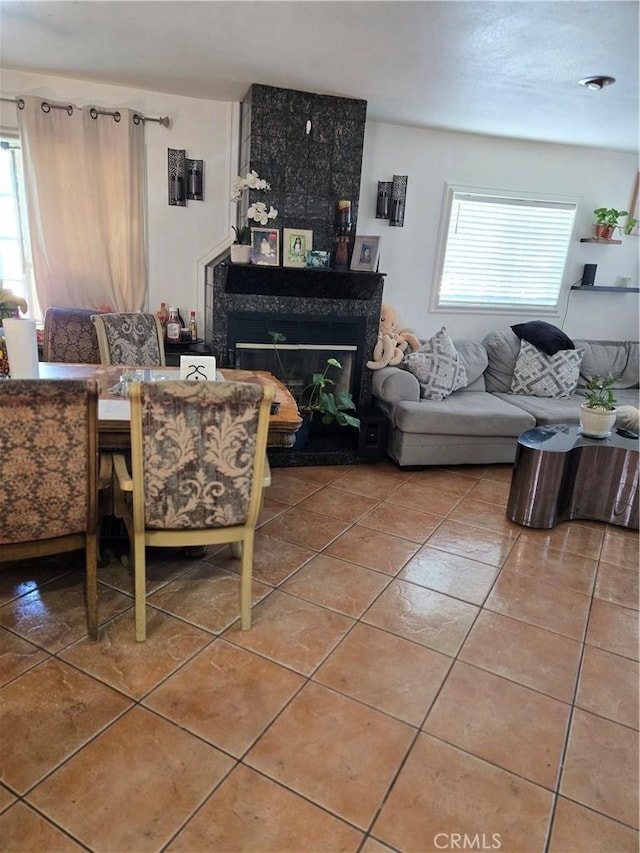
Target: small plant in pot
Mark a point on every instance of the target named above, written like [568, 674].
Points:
[257, 214]
[598, 412]
[318, 403]
[607, 220]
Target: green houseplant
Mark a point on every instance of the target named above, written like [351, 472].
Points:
[598, 412]
[607, 220]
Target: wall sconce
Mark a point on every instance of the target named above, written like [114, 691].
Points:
[398, 200]
[184, 178]
[383, 201]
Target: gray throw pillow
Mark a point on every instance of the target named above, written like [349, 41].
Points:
[539, 375]
[437, 367]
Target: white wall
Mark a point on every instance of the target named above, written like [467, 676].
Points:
[178, 237]
[181, 239]
[431, 157]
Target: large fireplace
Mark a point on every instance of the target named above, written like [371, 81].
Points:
[336, 313]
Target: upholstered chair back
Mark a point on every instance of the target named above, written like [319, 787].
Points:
[70, 336]
[49, 453]
[133, 339]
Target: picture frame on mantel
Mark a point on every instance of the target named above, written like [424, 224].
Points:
[296, 242]
[265, 246]
[366, 251]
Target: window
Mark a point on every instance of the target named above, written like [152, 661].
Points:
[15, 256]
[502, 251]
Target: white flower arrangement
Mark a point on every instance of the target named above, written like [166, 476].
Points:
[257, 212]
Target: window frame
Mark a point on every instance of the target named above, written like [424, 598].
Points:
[450, 190]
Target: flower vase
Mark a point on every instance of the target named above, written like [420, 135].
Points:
[240, 254]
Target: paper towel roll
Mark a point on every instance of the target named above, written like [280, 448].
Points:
[22, 348]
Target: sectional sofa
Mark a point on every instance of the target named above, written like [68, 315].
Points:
[479, 423]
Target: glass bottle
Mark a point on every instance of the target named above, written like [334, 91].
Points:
[193, 326]
[163, 315]
[174, 326]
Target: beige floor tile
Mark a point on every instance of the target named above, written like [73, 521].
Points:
[17, 656]
[580, 830]
[553, 566]
[322, 474]
[440, 479]
[335, 751]
[572, 536]
[617, 585]
[287, 823]
[368, 482]
[476, 543]
[501, 473]
[373, 549]
[387, 672]
[543, 604]
[7, 798]
[55, 615]
[423, 616]
[135, 668]
[450, 574]
[50, 711]
[290, 490]
[334, 583]
[206, 596]
[156, 775]
[609, 686]
[601, 767]
[163, 565]
[371, 845]
[19, 577]
[620, 546]
[502, 722]
[613, 628]
[474, 471]
[274, 560]
[424, 498]
[270, 509]
[483, 514]
[401, 521]
[291, 631]
[441, 790]
[225, 695]
[523, 653]
[307, 529]
[491, 491]
[22, 829]
[338, 503]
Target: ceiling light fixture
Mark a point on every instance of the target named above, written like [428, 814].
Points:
[596, 83]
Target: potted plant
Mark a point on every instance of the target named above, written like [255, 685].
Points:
[257, 213]
[318, 404]
[607, 222]
[598, 412]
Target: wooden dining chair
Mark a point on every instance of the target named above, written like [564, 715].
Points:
[198, 457]
[133, 339]
[49, 459]
[70, 336]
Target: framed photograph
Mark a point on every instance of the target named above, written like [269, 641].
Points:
[318, 260]
[265, 246]
[365, 254]
[296, 242]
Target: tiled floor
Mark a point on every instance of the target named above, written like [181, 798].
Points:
[421, 675]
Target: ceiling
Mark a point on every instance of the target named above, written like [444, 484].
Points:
[482, 66]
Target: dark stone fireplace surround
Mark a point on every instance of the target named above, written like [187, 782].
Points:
[310, 306]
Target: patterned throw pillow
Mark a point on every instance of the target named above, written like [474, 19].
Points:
[437, 367]
[540, 375]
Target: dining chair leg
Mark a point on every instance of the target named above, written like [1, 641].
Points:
[91, 592]
[245, 582]
[140, 586]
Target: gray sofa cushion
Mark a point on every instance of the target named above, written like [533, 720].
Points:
[502, 349]
[474, 359]
[547, 410]
[462, 413]
[540, 375]
[619, 359]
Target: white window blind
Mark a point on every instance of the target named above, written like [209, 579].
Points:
[503, 252]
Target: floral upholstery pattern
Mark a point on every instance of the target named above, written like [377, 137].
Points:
[69, 335]
[199, 444]
[44, 450]
[131, 339]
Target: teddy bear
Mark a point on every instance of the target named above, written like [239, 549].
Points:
[393, 340]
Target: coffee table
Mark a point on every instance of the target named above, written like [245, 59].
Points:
[560, 474]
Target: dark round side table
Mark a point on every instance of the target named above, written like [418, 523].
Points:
[560, 474]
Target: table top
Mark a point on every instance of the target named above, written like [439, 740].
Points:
[561, 438]
[114, 412]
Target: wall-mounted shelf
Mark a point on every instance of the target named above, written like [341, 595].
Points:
[601, 240]
[600, 289]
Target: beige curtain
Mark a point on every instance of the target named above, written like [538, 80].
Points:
[85, 191]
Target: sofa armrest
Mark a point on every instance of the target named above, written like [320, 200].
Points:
[392, 384]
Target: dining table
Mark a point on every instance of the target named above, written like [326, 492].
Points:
[114, 413]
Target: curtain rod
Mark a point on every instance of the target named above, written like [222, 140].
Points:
[165, 121]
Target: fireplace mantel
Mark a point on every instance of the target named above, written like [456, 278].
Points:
[301, 282]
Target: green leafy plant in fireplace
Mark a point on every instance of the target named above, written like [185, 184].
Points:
[598, 393]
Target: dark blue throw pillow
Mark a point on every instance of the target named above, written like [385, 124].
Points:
[543, 335]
